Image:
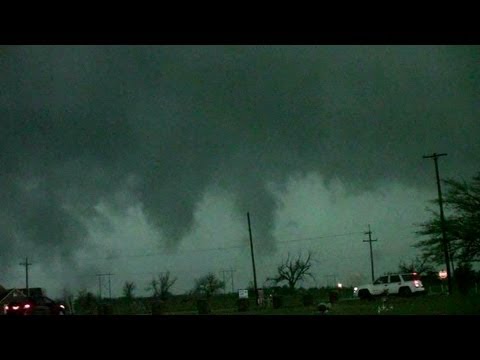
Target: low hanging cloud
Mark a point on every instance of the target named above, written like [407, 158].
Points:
[160, 125]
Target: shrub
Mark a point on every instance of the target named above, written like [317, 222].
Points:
[277, 301]
[158, 307]
[307, 300]
[464, 278]
[203, 306]
[333, 296]
[243, 305]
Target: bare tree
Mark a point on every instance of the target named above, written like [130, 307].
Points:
[208, 285]
[165, 284]
[419, 265]
[293, 270]
[69, 299]
[161, 287]
[153, 287]
[128, 289]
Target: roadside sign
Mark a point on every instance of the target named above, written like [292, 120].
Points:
[243, 294]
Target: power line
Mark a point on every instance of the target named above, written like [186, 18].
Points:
[101, 282]
[241, 246]
[225, 248]
[320, 237]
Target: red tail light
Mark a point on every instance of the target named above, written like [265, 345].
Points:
[417, 283]
[26, 306]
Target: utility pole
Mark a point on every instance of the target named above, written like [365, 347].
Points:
[109, 287]
[101, 285]
[224, 287]
[369, 233]
[230, 272]
[253, 260]
[435, 157]
[26, 264]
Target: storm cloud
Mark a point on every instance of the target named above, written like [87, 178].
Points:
[162, 125]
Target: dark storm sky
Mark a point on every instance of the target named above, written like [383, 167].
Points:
[157, 135]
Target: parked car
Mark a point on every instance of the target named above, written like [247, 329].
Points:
[393, 284]
[39, 305]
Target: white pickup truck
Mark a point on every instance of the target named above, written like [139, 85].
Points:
[393, 284]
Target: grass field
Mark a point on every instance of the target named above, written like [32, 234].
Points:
[436, 302]
[421, 305]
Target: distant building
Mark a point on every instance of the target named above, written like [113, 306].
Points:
[34, 291]
[8, 295]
